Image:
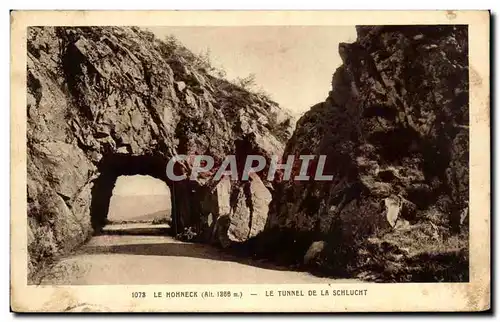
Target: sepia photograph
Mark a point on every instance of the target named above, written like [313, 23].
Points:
[284, 155]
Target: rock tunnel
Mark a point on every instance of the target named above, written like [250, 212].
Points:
[183, 194]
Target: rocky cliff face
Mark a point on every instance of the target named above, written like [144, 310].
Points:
[104, 102]
[394, 129]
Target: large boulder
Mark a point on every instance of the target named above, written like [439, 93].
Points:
[237, 213]
[394, 129]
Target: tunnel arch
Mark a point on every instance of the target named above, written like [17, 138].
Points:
[183, 194]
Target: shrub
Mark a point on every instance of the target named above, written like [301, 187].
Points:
[249, 84]
[246, 83]
[171, 48]
[161, 220]
[189, 235]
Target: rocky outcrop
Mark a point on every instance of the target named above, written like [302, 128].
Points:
[394, 129]
[236, 212]
[110, 101]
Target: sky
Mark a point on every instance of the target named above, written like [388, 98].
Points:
[139, 185]
[294, 64]
[150, 195]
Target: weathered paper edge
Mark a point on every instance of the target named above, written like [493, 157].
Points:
[472, 296]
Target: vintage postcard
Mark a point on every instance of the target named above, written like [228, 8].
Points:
[197, 161]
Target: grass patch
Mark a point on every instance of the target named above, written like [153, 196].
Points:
[423, 252]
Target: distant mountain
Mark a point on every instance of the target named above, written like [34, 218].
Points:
[154, 215]
[139, 207]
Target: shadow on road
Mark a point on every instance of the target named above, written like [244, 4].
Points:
[176, 249]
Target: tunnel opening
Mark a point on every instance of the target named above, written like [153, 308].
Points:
[186, 196]
[139, 199]
[113, 168]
